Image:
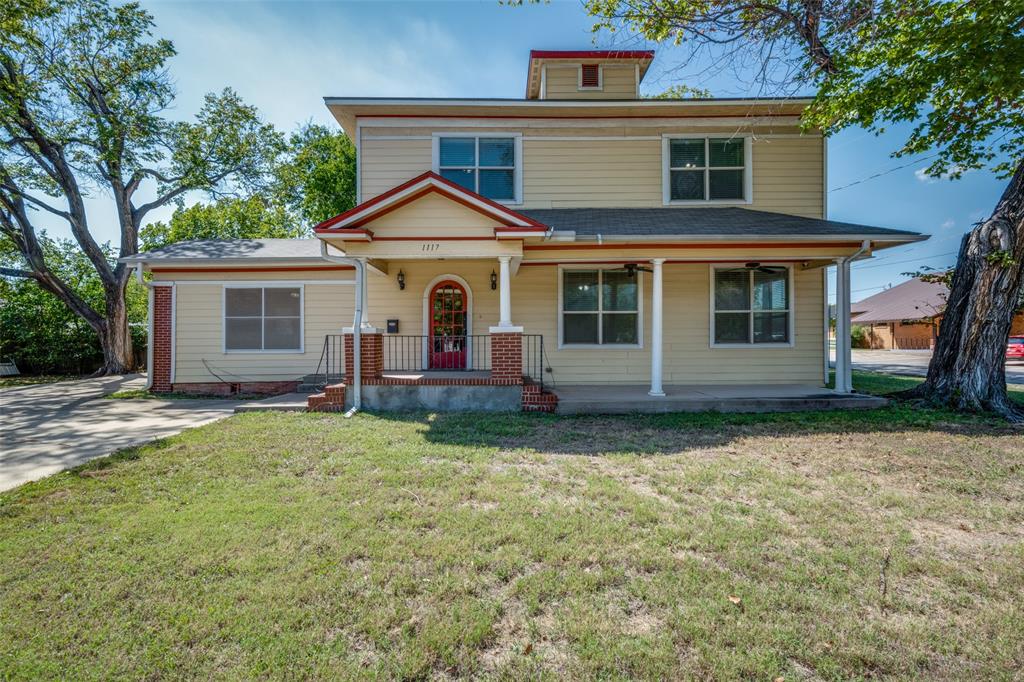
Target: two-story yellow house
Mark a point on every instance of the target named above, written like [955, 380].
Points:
[581, 244]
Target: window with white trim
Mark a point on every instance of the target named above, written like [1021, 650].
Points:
[263, 319]
[600, 307]
[485, 165]
[706, 169]
[751, 305]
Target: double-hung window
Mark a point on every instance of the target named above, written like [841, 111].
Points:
[709, 169]
[485, 165]
[600, 307]
[751, 305]
[258, 318]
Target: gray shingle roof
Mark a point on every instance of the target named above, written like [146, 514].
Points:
[287, 249]
[911, 300]
[698, 221]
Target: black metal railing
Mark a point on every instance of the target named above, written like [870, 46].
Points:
[533, 358]
[418, 353]
[332, 359]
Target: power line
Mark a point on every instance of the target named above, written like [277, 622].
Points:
[901, 262]
[885, 172]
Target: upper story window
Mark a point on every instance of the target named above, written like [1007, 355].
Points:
[591, 77]
[751, 305]
[706, 169]
[259, 319]
[599, 307]
[488, 166]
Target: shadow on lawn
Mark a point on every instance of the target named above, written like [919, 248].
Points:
[652, 434]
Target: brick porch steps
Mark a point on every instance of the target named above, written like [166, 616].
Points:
[535, 399]
[331, 400]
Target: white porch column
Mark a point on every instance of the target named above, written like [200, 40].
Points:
[365, 297]
[504, 292]
[843, 382]
[656, 326]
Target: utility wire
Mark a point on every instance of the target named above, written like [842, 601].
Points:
[885, 172]
[901, 262]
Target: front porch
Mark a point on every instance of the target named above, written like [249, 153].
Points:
[625, 399]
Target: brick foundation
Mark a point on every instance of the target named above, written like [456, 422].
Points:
[163, 316]
[371, 351]
[507, 356]
[245, 388]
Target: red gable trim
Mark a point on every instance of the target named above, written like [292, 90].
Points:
[386, 202]
[591, 54]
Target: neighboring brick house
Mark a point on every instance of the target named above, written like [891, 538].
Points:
[907, 316]
[581, 235]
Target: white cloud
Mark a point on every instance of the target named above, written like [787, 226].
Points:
[922, 175]
[947, 224]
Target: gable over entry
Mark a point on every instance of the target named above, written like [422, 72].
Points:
[430, 217]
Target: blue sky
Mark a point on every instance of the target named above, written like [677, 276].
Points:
[284, 57]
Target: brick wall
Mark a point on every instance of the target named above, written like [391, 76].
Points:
[507, 356]
[163, 314]
[371, 348]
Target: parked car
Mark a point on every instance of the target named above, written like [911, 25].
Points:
[1015, 348]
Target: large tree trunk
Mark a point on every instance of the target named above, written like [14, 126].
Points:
[115, 337]
[967, 370]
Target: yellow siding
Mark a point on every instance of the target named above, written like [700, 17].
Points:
[433, 215]
[619, 82]
[618, 171]
[387, 163]
[199, 333]
[688, 357]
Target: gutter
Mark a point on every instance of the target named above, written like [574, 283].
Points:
[357, 324]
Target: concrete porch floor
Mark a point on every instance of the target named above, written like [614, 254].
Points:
[587, 399]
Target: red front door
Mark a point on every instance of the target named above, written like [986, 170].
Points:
[448, 326]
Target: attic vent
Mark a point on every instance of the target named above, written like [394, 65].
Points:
[590, 76]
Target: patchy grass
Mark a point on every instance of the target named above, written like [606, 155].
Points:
[25, 380]
[878, 383]
[836, 545]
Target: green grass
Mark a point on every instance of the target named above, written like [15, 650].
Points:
[877, 383]
[528, 546]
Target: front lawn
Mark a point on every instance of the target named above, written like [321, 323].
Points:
[32, 380]
[887, 543]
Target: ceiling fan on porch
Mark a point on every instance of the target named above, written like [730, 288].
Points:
[633, 268]
[764, 269]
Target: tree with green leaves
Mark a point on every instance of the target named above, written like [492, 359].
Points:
[43, 335]
[314, 180]
[952, 68]
[83, 90]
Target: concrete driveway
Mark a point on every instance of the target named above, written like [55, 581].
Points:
[50, 427]
[913, 363]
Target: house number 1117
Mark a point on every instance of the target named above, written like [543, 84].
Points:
[431, 247]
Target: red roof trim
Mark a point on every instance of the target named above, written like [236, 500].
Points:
[591, 54]
[437, 184]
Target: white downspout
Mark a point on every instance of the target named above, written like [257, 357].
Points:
[357, 323]
[844, 370]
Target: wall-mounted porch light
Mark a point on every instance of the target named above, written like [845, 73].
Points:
[401, 280]
[494, 280]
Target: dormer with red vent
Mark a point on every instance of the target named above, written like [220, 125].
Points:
[587, 74]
